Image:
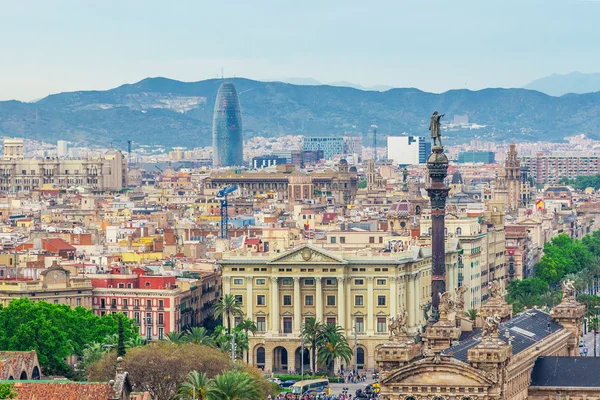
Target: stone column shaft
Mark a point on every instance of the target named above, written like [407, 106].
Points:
[370, 301]
[341, 304]
[297, 302]
[274, 305]
[249, 298]
[319, 300]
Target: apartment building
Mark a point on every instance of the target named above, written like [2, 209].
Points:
[549, 169]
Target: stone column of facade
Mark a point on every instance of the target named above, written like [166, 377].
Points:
[349, 302]
[417, 298]
[341, 304]
[274, 305]
[319, 300]
[410, 301]
[249, 298]
[437, 164]
[226, 290]
[370, 312]
[393, 296]
[297, 302]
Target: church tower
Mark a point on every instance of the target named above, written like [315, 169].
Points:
[512, 169]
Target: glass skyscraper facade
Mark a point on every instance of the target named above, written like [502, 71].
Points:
[228, 144]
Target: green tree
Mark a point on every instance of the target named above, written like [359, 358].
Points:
[591, 302]
[311, 332]
[174, 337]
[55, 331]
[195, 387]
[228, 306]
[7, 391]
[247, 325]
[333, 345]
[198, 336]
[233, 385]
[121, 341]
[136, 341]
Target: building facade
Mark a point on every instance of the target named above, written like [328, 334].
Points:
[359, 293]
[408, 150]
[549, 169]
[330, 146]
[485, 157]
[228, 144]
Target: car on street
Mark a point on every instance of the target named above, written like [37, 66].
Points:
[275, 380]
[288, 383]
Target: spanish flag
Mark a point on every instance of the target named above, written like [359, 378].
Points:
[540, 204]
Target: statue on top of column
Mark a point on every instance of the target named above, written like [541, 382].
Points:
[446, 304]
[491, 326]
[568, 289]
[397, 326]
[459, 298]
[435, 127]
[495, 289]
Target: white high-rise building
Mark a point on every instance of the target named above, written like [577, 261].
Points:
[408, 150]
[62, 149]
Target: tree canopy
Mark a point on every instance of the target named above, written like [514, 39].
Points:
[55, 331]
[582, 182]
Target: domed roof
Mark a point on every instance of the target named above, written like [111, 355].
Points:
[457, 178]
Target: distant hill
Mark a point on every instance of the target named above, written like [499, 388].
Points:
[169, 112]
[574, 82]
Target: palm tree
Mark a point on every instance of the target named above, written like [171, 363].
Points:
[195, 387]
[233, 385]
[228, 306]
[471, 314]
[174, 337]
[198, 336]
[136, 341]
[93, 352]
[311, 332]
[333, 345]
[247, 325]
[526, 299]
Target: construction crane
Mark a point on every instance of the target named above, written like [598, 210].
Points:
[222, 196]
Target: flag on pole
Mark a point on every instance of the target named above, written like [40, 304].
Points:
[540, 204]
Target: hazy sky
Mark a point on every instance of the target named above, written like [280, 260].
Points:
[52, 46]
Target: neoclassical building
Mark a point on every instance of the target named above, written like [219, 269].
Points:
[358, 292]
[527, 356]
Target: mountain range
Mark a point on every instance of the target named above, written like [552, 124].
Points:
[561, 84]
[173, 113]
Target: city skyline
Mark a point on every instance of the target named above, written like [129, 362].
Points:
[430, 45]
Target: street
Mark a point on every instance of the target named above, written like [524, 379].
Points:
[337, 388]
[588, 345]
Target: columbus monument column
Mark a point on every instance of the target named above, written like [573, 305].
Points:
[437, 164]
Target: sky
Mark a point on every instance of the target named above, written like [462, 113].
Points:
[434, 45]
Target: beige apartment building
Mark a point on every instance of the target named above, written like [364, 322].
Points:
[358, 292]
[108, 172]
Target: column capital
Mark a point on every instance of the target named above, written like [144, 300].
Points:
[370, 279]
[249, 277]
[227, 278]
[296, 280]
[393, 278]
[274, 279]
[340, 280]
[318, 280]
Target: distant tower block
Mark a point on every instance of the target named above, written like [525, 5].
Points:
[62, 149]
[374, 127]
[13, 149]
[228, 144]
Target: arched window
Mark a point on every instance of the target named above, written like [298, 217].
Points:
[360, 356]
[459, 231]
[260, 355]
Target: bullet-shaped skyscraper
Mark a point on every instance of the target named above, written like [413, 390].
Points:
[228, 145]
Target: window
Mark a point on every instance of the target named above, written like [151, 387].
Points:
[331, 300]
[148, 318]
[149, 333]
[161, 303]
[381, 324]
[342, 239]
[78, 302]
[331, 320]
[359, 282]
[147, 283]
[136, 302]
[309, 300]
[359, 300]
[121, 285]
[237, 320]
[137, 317]
[371, 239]
[330, 282]
[261, 281]
[381, 300]
[129, 285]
[458, 231]
[381, 282]
[287, 300]
[309, 282]
[333, 239]
[287, 324]
[238, 281]
[124, 302]
[148, 303]
[161, 318]
[287, 281]
[261, 356]
[260, 300]
[359, 324]
[161, 333]
[261, 324]
[380, 239]
[55, 301]
[239, 299]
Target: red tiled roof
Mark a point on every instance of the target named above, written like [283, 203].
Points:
[252, 241]
[59, 244]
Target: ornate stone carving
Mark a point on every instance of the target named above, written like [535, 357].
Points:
[446, 305]
[397, 326]
[490, 327]
[459, 299]
[495, 289]
[568, 289]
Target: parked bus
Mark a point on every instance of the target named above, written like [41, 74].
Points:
[311, 386]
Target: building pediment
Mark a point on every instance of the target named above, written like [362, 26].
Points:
[287, 314]
[447, 372]
[307, 254]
